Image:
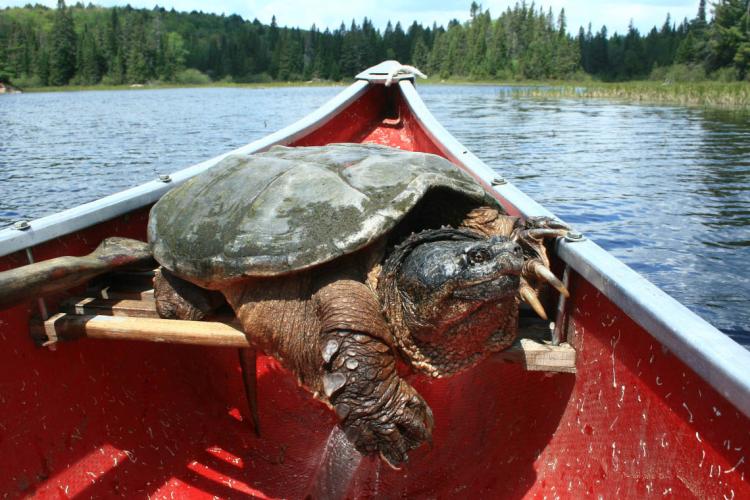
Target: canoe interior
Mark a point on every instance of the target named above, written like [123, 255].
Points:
[98, 419]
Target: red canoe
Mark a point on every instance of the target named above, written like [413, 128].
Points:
[658, 405]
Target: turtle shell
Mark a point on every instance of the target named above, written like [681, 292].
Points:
[288, 209]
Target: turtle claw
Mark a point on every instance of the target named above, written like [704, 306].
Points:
[543, 222]
[402, 422]
[534, 231]
[541, 233]
[411, 427]
[529, 296]
[543, 273]
[536, 272]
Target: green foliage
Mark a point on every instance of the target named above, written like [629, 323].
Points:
[88, 45]
[191, 76]
[174, 57]
[62, 63]
[679, 73]
[729, 36]
[726, 74]
[26, 81]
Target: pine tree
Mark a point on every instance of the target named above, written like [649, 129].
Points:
[174, 56]
[729, 38]
[634, 62]
[42, 66]
[5, 73]
[420, 54]
[136, 63]
[89, 71]
[600, 59]
[524, 41]
[62, 64]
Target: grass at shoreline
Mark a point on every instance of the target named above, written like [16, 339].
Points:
[708, 94]
[734, 95]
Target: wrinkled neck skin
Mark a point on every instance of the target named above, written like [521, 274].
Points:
[462, 333]
[452, 303]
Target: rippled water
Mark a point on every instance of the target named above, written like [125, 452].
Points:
[665, 189]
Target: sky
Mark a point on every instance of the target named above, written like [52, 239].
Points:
[615, 14]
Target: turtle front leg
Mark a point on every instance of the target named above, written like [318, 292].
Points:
[530, 234]
[379, 411]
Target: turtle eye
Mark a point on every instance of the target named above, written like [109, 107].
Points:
[478, 255]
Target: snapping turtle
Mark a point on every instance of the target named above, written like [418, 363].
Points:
[338, 259]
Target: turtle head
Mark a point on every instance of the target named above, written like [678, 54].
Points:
[451, 296]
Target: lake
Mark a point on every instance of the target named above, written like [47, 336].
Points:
[666, 189]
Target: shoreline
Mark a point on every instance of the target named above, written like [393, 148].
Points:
[709, 94]
[161, 86]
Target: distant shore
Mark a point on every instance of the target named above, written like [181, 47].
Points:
[157, 86]
[6, 88]
[733, 95]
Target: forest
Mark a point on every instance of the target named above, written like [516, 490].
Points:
[89, 45]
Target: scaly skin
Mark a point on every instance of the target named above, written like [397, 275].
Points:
[334, 339]
[379, 411]
[531, 235]
[328, 327]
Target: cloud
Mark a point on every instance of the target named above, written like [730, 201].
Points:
[616, 15]
[330, 14]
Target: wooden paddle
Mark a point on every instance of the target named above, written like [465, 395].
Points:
[63, 273]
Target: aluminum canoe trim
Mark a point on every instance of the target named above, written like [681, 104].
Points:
[718, 359]
[114, 205]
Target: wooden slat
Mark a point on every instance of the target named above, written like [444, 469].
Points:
[540, 356]
[72, 326]
[125, 307]
[121, 292]
[535, 356]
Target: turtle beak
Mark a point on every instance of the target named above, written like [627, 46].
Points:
[509, 254]
[501, 276]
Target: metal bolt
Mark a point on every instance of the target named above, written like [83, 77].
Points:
[499, 181]
[21, 225]
[165, 178]
[574, 236]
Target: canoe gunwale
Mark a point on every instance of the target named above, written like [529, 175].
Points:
[117, 204]
[718, 359]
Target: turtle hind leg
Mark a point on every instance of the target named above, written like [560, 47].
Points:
[180, 299]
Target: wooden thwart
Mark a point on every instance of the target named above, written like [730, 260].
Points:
[121, 307]
[127, 319]
[73, 326]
